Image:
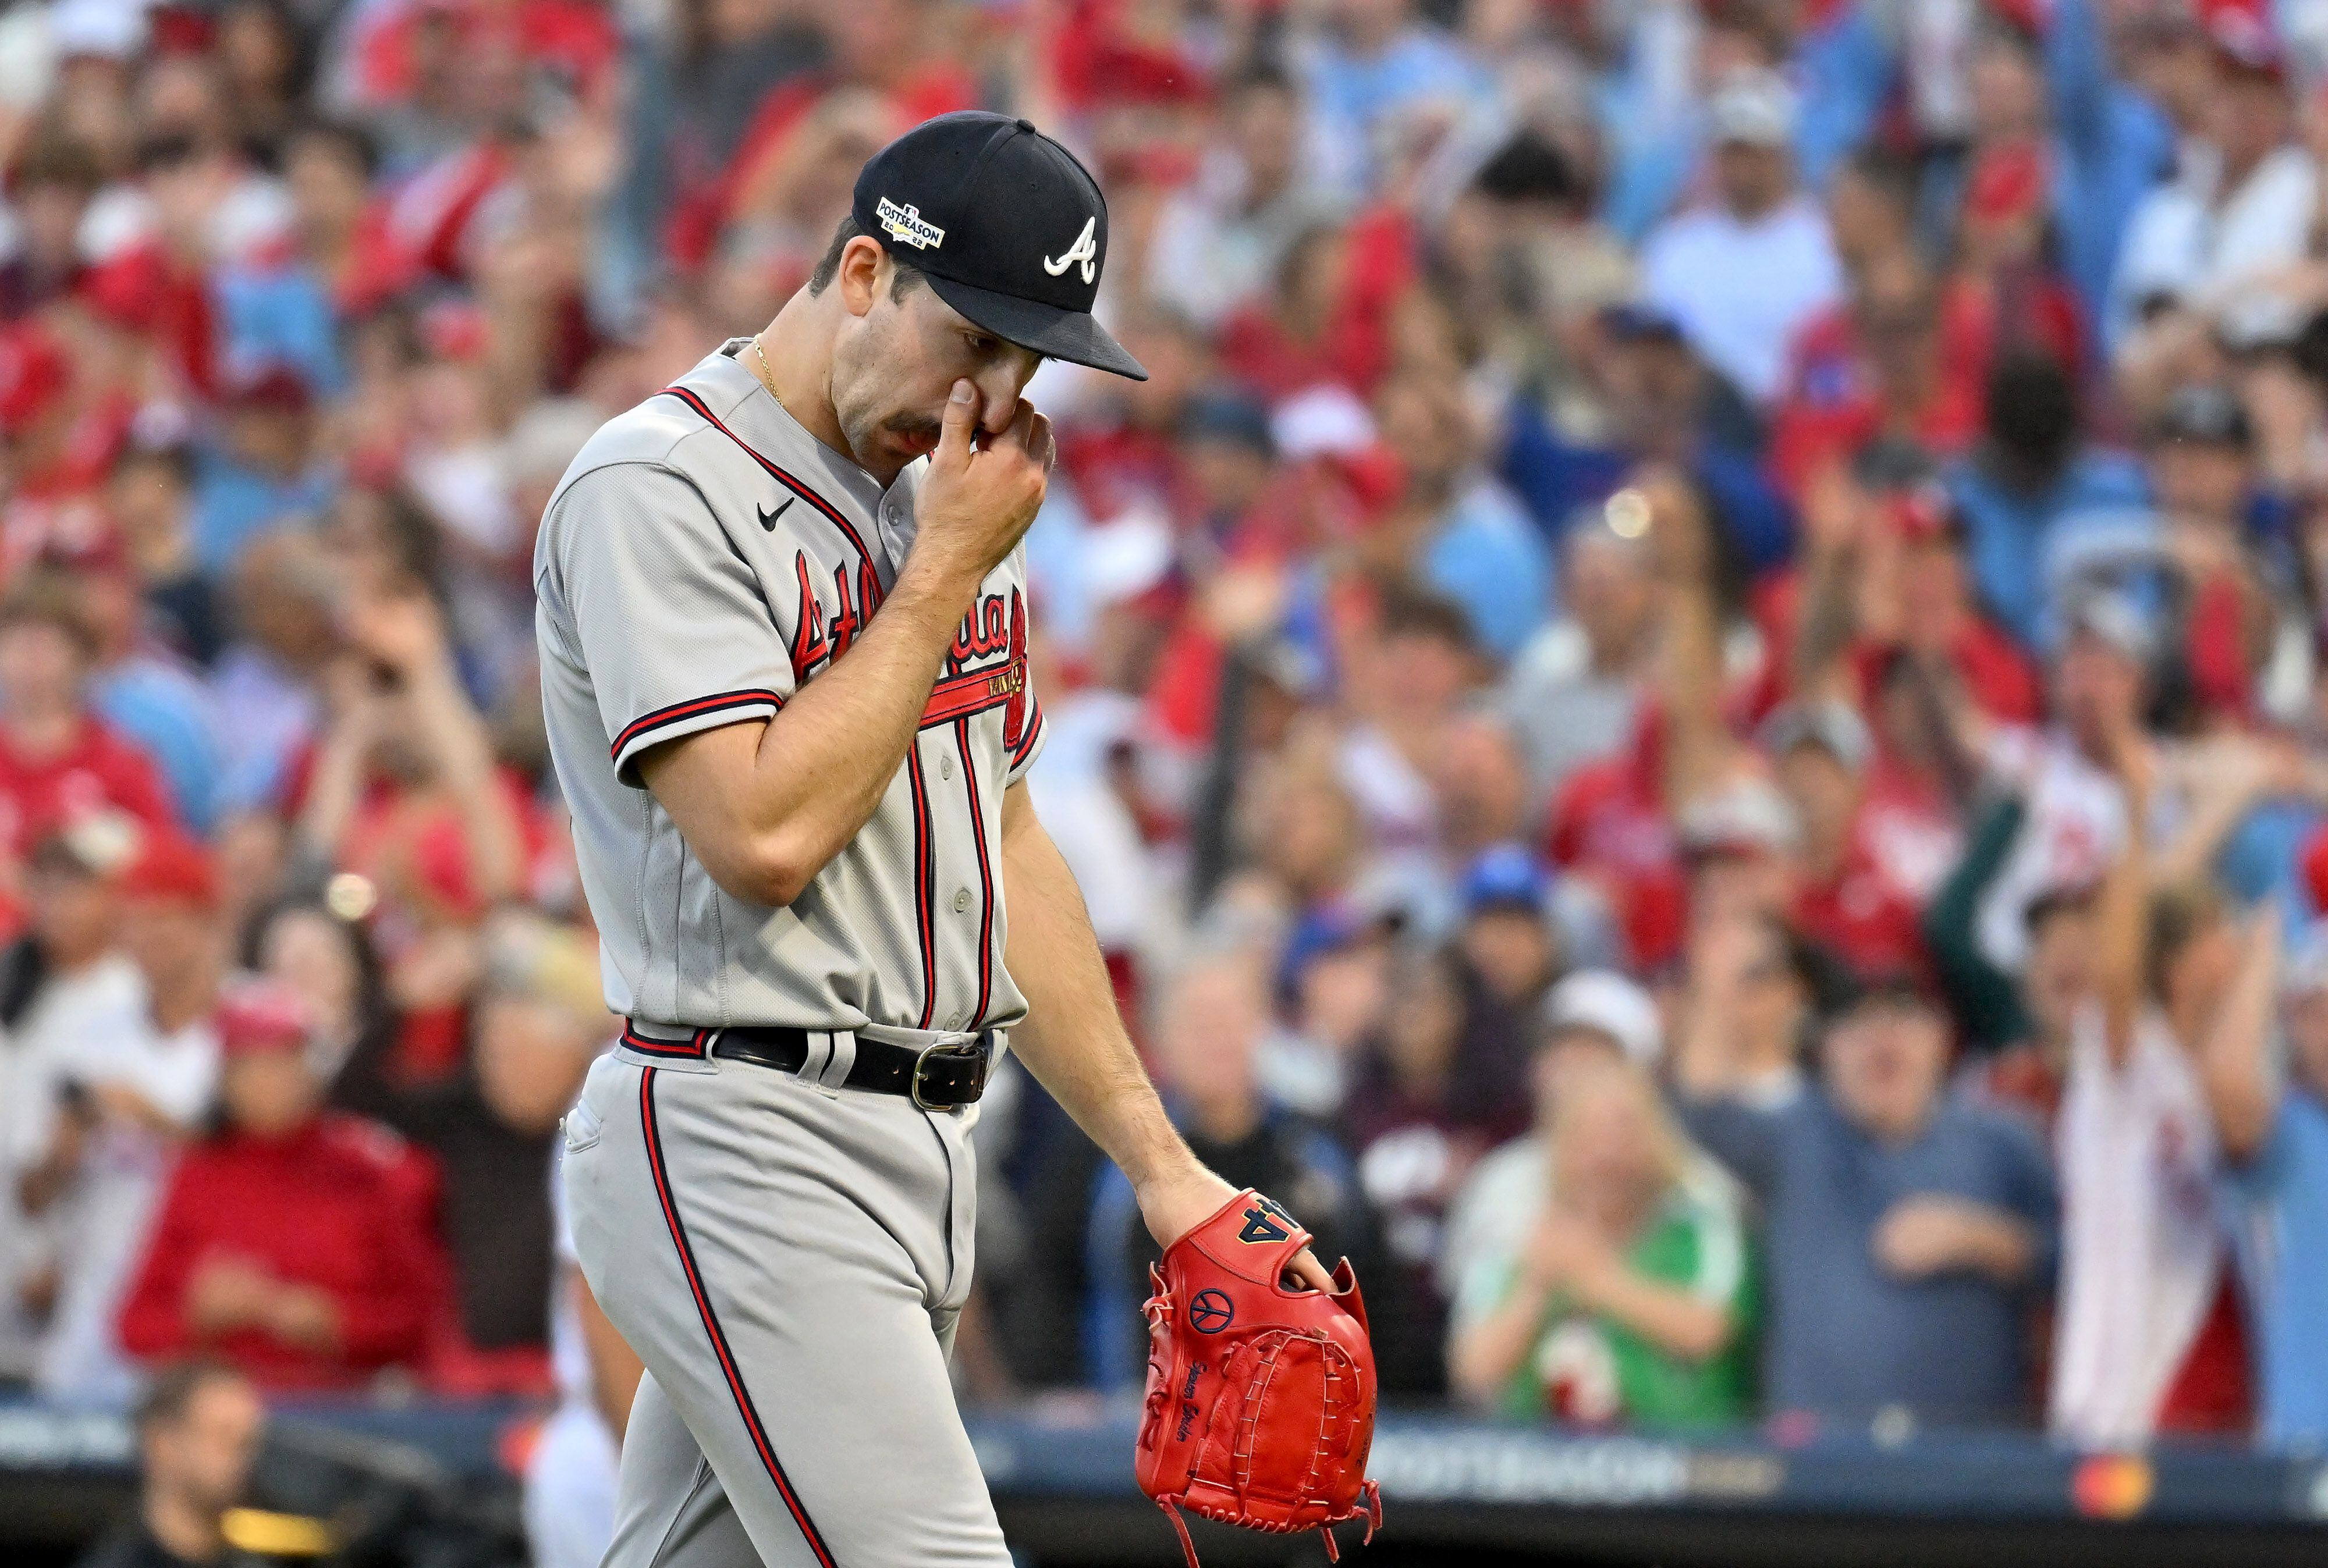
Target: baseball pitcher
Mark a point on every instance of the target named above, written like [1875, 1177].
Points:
[782, 620]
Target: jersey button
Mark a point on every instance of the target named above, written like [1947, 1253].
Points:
[961, 899]
[945, 767]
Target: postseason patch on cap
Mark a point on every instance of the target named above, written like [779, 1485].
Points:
[907, 224]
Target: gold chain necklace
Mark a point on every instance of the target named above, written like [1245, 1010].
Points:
[767, 372]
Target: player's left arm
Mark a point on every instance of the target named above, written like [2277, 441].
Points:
[1073, 1041]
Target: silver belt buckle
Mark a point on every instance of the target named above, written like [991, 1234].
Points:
[950, 1050]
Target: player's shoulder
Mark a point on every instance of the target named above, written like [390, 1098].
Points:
[639, 444]
[640, 471]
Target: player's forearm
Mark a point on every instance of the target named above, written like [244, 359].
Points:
[766, 810]
[1073, 1037]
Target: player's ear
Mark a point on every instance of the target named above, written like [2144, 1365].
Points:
[864, 273]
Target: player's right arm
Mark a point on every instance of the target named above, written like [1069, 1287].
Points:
[645, 597]
[765, 803]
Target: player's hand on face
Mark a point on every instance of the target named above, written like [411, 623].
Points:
[979, 495]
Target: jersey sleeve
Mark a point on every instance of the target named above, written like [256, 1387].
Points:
[665, 614]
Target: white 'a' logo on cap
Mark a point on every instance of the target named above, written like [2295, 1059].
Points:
[1085, 249]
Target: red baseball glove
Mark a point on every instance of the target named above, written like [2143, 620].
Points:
[1261, 1397]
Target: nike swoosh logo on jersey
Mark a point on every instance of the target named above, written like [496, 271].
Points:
[768, 518]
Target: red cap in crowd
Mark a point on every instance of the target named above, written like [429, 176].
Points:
[257, 1014]
[127, 289]
[173, 869]
[2008, 182]
[35, 374]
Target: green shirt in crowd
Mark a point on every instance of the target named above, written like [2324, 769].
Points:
[1593, 1371]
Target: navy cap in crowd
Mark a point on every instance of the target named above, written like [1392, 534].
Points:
[1008, 225]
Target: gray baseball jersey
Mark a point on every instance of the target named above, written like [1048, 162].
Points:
[703, 557]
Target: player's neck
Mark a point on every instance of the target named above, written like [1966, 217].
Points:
[794, 363]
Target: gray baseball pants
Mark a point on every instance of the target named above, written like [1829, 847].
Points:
[789, 1258]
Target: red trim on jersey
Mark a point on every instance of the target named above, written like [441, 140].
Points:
[796, 486]
[985, 875]
[960, 696]
[711, 1322]
[1027, 742]
[687, 710]
[925, 878]
[690, 1048]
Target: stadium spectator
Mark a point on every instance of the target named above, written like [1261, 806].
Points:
[1464, 534]
[1220, 238]
[1417, 1124]
[1752, 987]
[2028, 474]
[150, 496]
[2245, 207]
[1589, 1017]
[2152, 1336]
[1745, 273]
[1631, 1302]
[66, 982]
[1208, 1035]
[199, 1424]
[144, 692]
[327, 955]
[57, 757]
[136, 1088]
[1905, 1232]
[1573, 691]
[2275, 1135]
[291, 1241]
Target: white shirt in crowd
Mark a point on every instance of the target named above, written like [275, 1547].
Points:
[32, 1060]
[2141, 1241]
[1742, 289]
[109, 1210]
[2189, 241]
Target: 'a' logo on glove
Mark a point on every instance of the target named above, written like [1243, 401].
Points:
[1263, 1224]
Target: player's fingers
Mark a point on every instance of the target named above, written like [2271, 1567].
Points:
[958, 425]
[1306, 1268]
[1020, 430]
[1041, 444]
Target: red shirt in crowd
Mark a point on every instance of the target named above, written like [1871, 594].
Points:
[330, 1205]
[1610, 824]
[1862, 912]
[1835, 405]
[99, 770]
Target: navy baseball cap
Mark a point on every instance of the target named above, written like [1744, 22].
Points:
[1009, 228]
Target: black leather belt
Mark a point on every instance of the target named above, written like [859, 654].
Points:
[937, 1078]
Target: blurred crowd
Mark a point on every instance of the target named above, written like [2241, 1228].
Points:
[1693, 706]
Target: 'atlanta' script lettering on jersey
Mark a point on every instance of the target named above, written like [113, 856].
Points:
[995, 624]
[818, 640]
